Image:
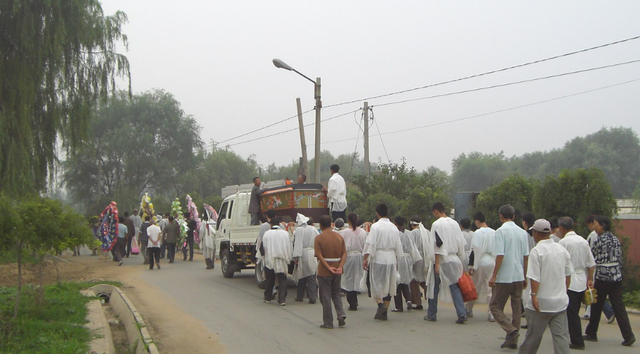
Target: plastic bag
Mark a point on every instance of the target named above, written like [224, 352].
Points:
[590, 296]
[467, 288]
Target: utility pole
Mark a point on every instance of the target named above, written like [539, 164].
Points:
[367, 168]
[303, 143]
[316, 177]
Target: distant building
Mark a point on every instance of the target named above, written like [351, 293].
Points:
[628, 226]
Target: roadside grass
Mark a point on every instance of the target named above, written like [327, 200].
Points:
[54, 326]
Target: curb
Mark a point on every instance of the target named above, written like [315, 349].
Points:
[98, 325]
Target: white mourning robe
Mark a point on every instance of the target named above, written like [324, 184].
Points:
[277, 250]
[384, 249]
[451, 254]
[420, 237]
[337, 193]
[207, 241]
[468, 237]
[303, 248]
[352, 271]
[264, 227]
[484, 260]
[409, 257]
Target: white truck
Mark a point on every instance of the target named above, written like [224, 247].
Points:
[236, 238]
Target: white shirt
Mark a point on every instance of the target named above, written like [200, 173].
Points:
[451, 252]
[137, 223]
[468, 236]
[581, 259]
[511, 242]
[483, 247]
[337, 193]
[549, 265]
[154, 236]
[383, 243]
[277, 250]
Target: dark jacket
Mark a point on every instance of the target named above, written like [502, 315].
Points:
[171, 232]
[254, 203]
[144, 237]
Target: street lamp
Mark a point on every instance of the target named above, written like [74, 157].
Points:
[316, 84]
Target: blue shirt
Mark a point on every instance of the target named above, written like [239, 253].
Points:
[122, 230]
[512, 243]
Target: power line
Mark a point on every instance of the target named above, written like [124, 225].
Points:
[486, 73]
[494, 112]
[380, 135]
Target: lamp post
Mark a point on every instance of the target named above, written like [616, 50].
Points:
[317, 94]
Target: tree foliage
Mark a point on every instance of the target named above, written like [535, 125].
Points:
[138, 145]
[575, 193]
[615, 151]
[406, 192]
[514, 190]
[57, 60]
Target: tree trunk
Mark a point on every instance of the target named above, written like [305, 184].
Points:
[15, 310]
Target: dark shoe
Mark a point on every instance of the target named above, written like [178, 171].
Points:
[590, 338]
[612, 319]
[525, 326]
[419, 307]
[341, 321]
[158, 265]
[462, 320]
[298, 300]
[120, 263]
[512, 346]
[430, 319]
[575, 346]
[326, 327]
[629, 342]
[409, 307]
[352, 308]
[171, 261]
[312, 302]
[510, 340]
[379, 313]
[384, 314]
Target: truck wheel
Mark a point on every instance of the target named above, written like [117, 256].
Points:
[227, 269]
[260, 278]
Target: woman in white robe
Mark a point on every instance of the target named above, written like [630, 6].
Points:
[352, 273]
[304, 257]
[484, 261]
[207, 242]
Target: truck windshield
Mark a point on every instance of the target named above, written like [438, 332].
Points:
[222, 215]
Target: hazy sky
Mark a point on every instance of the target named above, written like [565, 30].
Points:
[215, 57]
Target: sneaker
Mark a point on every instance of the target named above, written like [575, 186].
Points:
[409, 307]
[326, 327]
[158, 265]
[612, 319]
[430, 319]
[585, 317]
[396, 310]
[629, 342]
[590, 338]
[298, 300]
[462, 320]
[491, 319]
[379, 312]
[120, 263]
[511, 340]
[283, 304]
[470, 314]
[266, 301]
[341, 321]
[312, 302]
[575, 346]
[419, 307]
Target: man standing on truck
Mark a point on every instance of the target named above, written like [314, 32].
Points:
[337, 194]
[303, 255]
[276, 250]
[331, 253]
[302, 179]
[254, 203]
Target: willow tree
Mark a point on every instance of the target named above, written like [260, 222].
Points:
[58, 59]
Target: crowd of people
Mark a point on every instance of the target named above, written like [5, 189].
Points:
[543, 268]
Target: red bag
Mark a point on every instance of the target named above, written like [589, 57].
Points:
[468, 289]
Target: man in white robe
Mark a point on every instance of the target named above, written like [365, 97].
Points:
[449, 253]
[354, 240]
[277, 249]
[420, 236]
[337, 194]
[207, 242]
[482, 262]
[405, 265]
[304, 257]
[465, 224]
[381, 253]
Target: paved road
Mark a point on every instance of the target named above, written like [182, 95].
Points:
[233, 309]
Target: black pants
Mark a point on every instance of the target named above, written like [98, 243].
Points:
[128, 241]
[573, 317]
[339, 214]
[352, 299]
[171, 251]
[270, 282]
[119, 248]
[154, 256]
[190, 245]
[310, 286]
[614, 290]
[403, 289]
[163, 250]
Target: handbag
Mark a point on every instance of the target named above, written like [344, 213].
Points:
[590, 296]
[467, 288]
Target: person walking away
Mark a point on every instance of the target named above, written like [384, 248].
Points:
[482, 262]
[607, 252]
[405, 265]
[153, 245]
[527, 222]
[303, 256]
[131, 232]
[354, 240]
[137, 224]
[549, 271]
[276, 250]
[381, 253]
[170, 236]
[162, 223]
[264, 227]
[331, 253]
[420, 237]
[254, 202]
[581, 279]
[121, 240]
[207, 242]
[143, 239]
[591, 239]
[192, 225]
[302, 179]
[337, 194]
[449, 253]
[465, 224]
[508, 278]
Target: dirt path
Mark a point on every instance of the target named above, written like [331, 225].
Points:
[172, 330]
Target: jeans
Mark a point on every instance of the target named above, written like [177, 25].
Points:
[456, 294]
[163, 250]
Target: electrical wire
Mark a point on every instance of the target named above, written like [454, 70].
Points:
[486, 73]
[380, 135]
[494, 112]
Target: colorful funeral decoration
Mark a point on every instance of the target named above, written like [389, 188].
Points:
[193, 211]
[176, 212]
[211, 213]
[147, 208]
[108, 228]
